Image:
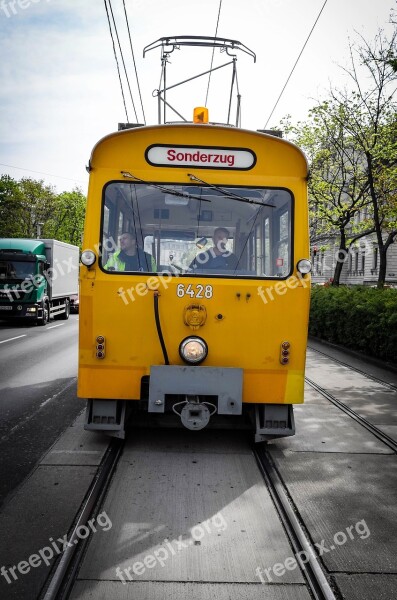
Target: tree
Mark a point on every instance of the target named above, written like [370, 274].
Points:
[67, 220]
[38, 203]
[11, 203]
[369, 115]
[29, 208]
[338, 185]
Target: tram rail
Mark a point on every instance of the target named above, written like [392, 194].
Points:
[378, 433]
[392, 386]
[318, 583]
[312, 571]
[63, 577]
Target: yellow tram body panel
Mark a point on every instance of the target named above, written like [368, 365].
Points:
[247, 318]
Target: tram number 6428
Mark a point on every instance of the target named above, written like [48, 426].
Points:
[196, 291]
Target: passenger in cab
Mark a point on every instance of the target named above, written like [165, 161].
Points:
[217, 257]
[130, 257]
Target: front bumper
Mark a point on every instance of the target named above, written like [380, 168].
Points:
[223, 382]
[17, 310]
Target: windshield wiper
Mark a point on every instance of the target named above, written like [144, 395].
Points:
[163, 189]
[228, 194]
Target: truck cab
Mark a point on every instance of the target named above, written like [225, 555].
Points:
[33, 283]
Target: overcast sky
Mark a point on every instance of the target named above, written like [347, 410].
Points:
[60, 92]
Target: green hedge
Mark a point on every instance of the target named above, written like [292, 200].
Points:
[360, 318]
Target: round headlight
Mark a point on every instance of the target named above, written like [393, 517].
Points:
[88, 258]
[193, 350]
[304, 266]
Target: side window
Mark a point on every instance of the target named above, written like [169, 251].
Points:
[282, 259]
[276, 259]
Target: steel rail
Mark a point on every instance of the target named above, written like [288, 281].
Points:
[311, 569]
[378, 433]
[356, 369]
[61, 576]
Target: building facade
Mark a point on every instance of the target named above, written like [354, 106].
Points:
[360, 265]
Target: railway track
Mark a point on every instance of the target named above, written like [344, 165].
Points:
[391, 386]
[378, 433]
[65, 573]
[312, 571]
[63, 577]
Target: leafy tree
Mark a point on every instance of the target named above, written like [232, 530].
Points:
[38, 203]
[369, 116]
[67, 221]
[351, 143]
[338, 185]
[29, 208]
[11, 203]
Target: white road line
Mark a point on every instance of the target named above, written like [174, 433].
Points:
[53, 326]
[28, 418]
[75, 452]
[14, 338]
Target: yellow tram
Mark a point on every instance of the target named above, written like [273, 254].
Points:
[195, 283]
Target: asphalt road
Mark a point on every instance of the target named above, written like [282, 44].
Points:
[37, 394]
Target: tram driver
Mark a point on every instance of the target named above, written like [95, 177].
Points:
[217, 257]
[130, 257]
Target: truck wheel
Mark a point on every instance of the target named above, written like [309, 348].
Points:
[44, 320]
[65, 315]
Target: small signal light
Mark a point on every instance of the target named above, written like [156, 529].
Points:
[284, 353]
[100, 347]
[200, 115]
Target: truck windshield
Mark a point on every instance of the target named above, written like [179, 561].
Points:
[16, 269]
[197, 229]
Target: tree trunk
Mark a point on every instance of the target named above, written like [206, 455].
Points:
[383, 259]
[382, 267]
[342, 253]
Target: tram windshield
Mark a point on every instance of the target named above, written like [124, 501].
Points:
[195, 229]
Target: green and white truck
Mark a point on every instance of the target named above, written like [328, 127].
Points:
[37, 279]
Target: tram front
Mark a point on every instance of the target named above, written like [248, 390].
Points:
[194, 283]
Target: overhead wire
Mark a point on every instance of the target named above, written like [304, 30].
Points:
[122, 59]
[213, 52]
[42, 173]
[296, 62]
[117, 62]
[133, 58]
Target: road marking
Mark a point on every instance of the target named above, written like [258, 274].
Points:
[76, 452]
[28, 418]
[14, 338]
[53, 326]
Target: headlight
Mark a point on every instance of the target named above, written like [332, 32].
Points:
[193, 350]
[304, 266]
[88, 258]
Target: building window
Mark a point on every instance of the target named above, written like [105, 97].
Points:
[375, 258]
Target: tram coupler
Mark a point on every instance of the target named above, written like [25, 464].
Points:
[273, 421]
[195, 415]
